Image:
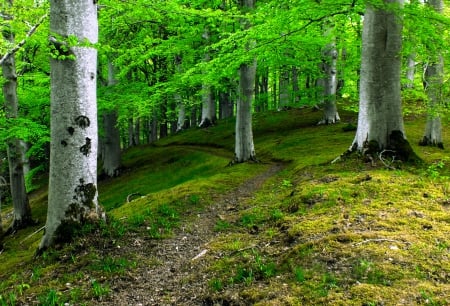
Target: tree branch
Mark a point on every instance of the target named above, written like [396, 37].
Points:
[23, 41]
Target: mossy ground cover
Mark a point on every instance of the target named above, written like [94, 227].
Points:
[347, 233]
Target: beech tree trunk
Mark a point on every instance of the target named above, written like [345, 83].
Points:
[244, 147]
[433, 82]
[380, 120]
[72, 197]
[284, 92]
[208, 104]
[329, 83]
[111, 145]
[410, 70]
[15, 148]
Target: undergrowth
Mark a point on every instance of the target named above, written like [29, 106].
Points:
[315, 233]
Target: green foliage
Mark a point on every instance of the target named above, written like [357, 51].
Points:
[99, 290]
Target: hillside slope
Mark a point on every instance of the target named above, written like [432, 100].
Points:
[290, 230]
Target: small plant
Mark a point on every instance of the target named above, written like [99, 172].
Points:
[299, 274]
[276, 214]
[50, 299]
[137, 220]
[112, 265]
[36, 274]
[222, 226]
[286, 183]
[216, 284]
[99, 290]
[194, 199]
[366, 271]
[329, 282]
[428, 298]
[22, 287]
[8, 301]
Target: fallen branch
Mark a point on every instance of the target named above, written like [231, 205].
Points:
[129, 197]
[387, 164]
[381, 240]
[23, 41]
[32, 234]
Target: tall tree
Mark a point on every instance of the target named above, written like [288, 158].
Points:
[111, 148]
[380, 120]
[72, 197]
[433, 80]
[329, 80]
[244, 146]
[15, 149]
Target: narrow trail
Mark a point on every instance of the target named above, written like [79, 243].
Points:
[167, 271]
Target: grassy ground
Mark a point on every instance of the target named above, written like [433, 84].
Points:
[316, 233]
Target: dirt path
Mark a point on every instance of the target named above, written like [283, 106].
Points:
[166, 272]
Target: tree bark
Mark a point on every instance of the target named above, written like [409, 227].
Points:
[72, 198]
[208, 104]
[433, 82]
[284, 92]
[329, 82]
[244, 146]
[380, 120]
[15, 149]
[111, 145]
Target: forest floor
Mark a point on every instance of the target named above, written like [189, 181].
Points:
[172, 271]
[293, 229]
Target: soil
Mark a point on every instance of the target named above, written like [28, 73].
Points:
[173, 271]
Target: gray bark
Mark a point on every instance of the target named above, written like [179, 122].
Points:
[181, 122]
[433, 83]
[72, 197]
[111, 145]
[380, 120]
[284, 92]
[15, 149]
[410, 70]
[244, 146]
[329, 83]
[208, 104]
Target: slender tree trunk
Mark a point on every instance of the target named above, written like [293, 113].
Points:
[181, 122]
[433, 83]
[208, 104]
[329, 82]
[15, 149]
[244, 147]
[284, 96]
[72, 197]
[154, 127]
[111, 155]
[295, 87]
[410, 70]
[225, 102]
[380, 120]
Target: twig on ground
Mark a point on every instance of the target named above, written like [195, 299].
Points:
[381, 240]
[32, 234]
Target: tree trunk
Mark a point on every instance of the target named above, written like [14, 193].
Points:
[72, 196]
[225, 102]
[380, 121]
[244, 147]
[15, 149]
[181, 122]
[410, 70]
[208, 104]
[111, 145]
[284, 98]
[329, 82]
[208, 107]
[433, 83]
[154, 127]
[112, 150]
